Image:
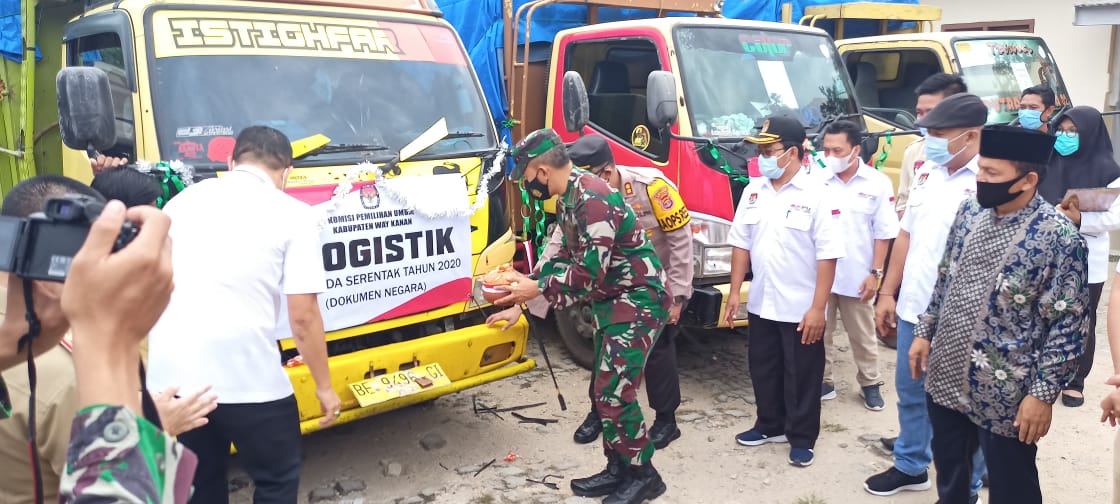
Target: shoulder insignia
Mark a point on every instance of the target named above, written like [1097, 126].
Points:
[667, 206]
[628, 189]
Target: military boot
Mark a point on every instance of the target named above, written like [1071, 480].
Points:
[589, 430]
[642, 483]
[603, 483]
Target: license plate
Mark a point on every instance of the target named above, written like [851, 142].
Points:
[399, 384]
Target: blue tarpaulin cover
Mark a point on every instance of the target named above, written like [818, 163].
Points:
[11, 31]
[480, 24]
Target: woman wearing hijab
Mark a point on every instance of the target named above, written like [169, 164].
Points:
[1084, 159]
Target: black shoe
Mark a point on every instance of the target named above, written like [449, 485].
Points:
[888, 443]
[603, 483]
[892, 481]
[589, 430]
[642, 483]
[1072, 401]
[663, 433]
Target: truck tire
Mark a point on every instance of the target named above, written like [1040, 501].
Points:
[577, 331]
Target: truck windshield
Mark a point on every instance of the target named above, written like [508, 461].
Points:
[203, 100]
[998, 70]
[734, 78]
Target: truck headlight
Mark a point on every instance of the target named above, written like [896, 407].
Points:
[710, 251]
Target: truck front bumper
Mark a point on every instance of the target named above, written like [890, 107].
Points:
[706, 307]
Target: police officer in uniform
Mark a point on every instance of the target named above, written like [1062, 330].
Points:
[605, 258]
[663, 216]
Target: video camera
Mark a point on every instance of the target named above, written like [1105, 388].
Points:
[42, 246]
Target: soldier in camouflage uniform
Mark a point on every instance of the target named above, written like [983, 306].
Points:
[604, 257]
[660, 211]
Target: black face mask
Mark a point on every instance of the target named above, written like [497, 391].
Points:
[994, 194]
[536, 189]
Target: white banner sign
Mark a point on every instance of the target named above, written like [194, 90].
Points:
[384, 260]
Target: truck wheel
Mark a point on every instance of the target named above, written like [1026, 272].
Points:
[577, 330]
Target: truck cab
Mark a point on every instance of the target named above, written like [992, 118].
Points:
[728, 76]
[902, 49]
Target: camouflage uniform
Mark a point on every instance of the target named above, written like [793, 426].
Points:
[606, 258]
[116, 456]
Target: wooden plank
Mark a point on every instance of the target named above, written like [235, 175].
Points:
[705, 7]
[876, 10]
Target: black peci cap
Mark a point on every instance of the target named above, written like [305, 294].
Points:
[591, 152]
[1016, 144]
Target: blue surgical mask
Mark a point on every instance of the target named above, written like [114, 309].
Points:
[1067, 143]
[1030, 119]
[768, 166]
[937, 149]
[925, 132]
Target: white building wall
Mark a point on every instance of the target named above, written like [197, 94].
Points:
[1082, 52]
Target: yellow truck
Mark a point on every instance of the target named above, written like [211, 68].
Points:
[392, 114]
[886, 68]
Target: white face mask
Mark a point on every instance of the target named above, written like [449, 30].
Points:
[839, 165]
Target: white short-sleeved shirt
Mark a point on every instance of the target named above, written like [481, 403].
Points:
[1094, 228]
[786, 232]
[935, 197]
[239, 246]
[867, 214]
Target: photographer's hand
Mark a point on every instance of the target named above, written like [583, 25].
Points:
[113, 299]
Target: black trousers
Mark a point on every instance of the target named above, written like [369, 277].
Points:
[662, 381]
[1085, 362]
[1012, 473]
[787, 377]
[268, 444]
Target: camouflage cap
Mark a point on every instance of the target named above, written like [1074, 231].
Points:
[537, 143]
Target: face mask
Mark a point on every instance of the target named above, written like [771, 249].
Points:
[937, 149]
[839, 165]
[924, 131]
[994, 194]
[536, 188]
[1030, 119]
[768, 166]
[1067, 144]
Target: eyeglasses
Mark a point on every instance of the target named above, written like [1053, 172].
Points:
[771, 151]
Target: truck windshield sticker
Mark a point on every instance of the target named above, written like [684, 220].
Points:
[194, 33]
[766, 46]
[998, 70]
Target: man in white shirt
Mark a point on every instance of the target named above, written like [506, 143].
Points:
[944, 181]
[788, 236]
[241, 248]
[930, 92]
[869, 223]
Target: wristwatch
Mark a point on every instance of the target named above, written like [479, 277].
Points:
[878, 273]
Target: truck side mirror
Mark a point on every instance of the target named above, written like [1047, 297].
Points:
[85, 108]
[576, 109]
[661, 99]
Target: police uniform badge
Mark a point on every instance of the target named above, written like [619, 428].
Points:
[922, 178]
[628, 189]
[753, 198]
[667, 205]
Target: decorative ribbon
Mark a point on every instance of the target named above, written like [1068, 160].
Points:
[883, 155]
[173, 177]
[723, 165]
